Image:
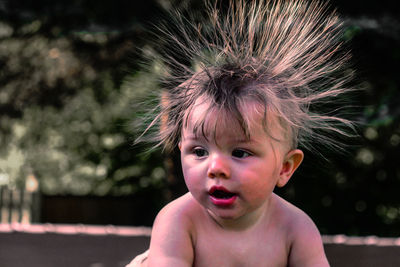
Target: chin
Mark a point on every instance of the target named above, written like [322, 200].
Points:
[227, 215]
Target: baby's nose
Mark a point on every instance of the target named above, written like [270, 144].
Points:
[218, 167]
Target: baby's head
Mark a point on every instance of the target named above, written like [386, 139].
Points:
[284, 60]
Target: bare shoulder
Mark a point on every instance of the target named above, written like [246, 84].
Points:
[295, 220]
[306, 247]
[178, 211]
[171, 237]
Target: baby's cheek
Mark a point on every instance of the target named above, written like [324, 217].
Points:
[192, 178]
[260, 187]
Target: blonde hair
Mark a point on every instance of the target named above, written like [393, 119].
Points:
[285, 55]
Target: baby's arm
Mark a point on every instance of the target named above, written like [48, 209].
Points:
[171, 243]
[307, 248]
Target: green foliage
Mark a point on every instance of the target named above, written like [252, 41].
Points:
[68, 116]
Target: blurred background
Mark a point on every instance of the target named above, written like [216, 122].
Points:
[70, 73]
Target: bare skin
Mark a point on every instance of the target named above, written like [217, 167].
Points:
[196, 239]
[250, 227]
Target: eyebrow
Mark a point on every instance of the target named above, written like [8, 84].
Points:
[193, 137]
[190, 137]
[247, 141]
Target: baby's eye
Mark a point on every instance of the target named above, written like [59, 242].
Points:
[239, 153]
[199, 152]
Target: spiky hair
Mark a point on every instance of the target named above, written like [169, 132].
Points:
[285, 55]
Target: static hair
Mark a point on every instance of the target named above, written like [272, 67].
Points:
[286, 56]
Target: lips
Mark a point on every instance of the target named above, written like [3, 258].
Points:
[220, 196]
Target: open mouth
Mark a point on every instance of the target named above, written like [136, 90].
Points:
[218, 193]
[222, 196]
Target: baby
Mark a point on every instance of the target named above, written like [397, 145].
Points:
[238, 120]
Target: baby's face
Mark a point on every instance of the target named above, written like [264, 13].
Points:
[228, 174]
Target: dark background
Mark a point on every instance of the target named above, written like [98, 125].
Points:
[70, 72]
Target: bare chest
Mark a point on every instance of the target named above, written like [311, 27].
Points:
[235, 249]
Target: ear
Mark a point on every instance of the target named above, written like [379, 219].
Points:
[180, 145]
[290, 163]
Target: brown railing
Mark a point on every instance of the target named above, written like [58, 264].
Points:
[65, 245]
[19, 206]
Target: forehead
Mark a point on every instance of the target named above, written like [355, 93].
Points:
[250, 120]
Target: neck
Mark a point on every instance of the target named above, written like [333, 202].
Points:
[245, 222]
